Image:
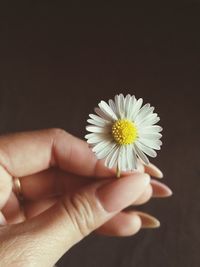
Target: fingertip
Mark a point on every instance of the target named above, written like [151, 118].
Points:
[153, 170]
[145, 197]
[137, 223]
[123, 224]
[160, 189]
[130, 227]
[148, 221]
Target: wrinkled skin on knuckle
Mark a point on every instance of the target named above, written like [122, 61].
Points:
[81, 213]
[58, 132]
[55, 131]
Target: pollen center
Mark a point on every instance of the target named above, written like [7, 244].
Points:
[124, 132]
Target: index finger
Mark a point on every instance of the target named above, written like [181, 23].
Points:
[27, 153]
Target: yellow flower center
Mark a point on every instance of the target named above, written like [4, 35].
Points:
[124, 132]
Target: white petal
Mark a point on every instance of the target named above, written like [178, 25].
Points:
[134, 163]
[102, 114]
[100, 136]
[126, 99]
[156, 128]
[112, 106]
[100, 146]
[129, 157]
[97, 118]
[96, 129]
[140, 154]
[155, 144]
[127, 105]
[136, 108]
[150, 110]
[111, 159]
[108, 157]
[149, 120]
[118, 106]
[147, 150]
[97, 123]
[152, 136]
[90, 135]
[144, 111]
[130, 107]
[94, 140]
[107, 110]
[150, 129]
[122, 105]
[103, 153]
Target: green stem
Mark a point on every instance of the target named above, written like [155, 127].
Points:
[118, 172]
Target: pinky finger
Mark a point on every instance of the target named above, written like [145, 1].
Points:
[148, 221]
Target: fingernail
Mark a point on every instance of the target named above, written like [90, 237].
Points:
[160, 190]
[120, 193]
[148, 221]
[2, 219]
[156, 171]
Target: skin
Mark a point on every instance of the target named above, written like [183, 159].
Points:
[67, 194]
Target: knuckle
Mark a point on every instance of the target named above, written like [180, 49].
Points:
[59, 138]
[57, 131]
[81, 213]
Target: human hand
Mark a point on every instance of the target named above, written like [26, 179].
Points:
[67, 193]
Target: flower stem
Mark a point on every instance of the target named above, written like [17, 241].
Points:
[118, 172]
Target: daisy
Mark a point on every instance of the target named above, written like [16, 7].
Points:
[123, 131]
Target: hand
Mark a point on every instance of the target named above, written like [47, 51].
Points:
[67, 193]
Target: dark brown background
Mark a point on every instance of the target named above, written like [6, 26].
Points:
[57, 63]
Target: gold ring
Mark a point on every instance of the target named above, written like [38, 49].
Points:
[17, 189]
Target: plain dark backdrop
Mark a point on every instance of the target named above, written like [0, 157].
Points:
[57, 63]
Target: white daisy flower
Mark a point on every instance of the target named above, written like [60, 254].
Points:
[123, 131]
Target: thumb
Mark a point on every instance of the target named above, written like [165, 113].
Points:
[73, 218]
